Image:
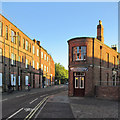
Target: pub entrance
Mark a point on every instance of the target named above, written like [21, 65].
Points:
[79, 83]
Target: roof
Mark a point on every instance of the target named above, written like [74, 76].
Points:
[80, 38]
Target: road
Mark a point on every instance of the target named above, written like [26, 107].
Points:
[28, 105]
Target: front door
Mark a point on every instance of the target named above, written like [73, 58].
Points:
[79, 84]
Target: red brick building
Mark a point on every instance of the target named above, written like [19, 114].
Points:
[93, 67]
[23, 60]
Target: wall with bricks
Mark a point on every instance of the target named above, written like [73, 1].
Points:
[20, 49]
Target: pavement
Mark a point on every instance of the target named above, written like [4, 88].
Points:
[62, 106]
[59, 105]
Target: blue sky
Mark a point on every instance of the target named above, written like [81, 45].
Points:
[53, 24]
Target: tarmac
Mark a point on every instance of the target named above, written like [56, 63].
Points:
[60, 105]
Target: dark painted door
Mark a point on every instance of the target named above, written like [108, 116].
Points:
[79, 86]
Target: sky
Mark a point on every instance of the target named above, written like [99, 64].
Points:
[54, 23]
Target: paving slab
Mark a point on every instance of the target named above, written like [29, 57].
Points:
[90, 107]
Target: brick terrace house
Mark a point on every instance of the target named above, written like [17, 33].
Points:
[23, 60]
[93, 67]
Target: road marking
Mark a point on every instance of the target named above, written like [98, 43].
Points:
[14, 113]
[20, 95]
[40, 110]
[35, 109]
[44, 95]
[3, 100]
[28, 109]
[33, 92]
[33, 101]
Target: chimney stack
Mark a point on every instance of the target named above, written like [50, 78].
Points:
[38, 42]
[100, 30]
[114, 47]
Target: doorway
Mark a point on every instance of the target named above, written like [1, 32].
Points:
[79, 84]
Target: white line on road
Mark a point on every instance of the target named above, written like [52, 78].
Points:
[40, 110]
[33, 101]
[20, 95]
[33, 93]
[3, 100]
[14, 113]
[44, 95]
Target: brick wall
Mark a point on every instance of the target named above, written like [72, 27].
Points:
[108, 92]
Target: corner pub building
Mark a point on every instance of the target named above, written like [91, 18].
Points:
[93, 67]
[23, 60]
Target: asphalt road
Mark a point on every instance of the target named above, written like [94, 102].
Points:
[26, 105]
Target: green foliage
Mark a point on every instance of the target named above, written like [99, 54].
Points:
[60, 72]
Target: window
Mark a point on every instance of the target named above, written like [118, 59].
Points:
[23, 43]
[0, 79]
[26, 80]
[26, 63]
[47, 59]
[19, 38]
[1, 28]
[37, 66]
[33, 64]
[76, 82]
[37, 52]
[30, 48]
[13, 79]
[13, 37]
[107, 59]
[27, 45]
[45, 56]
[114, 61]
[41, 66]
[13, 58]
[19, 80]
[42, 55]
[1, 58]
[6, 32]
[33, 49]
[19, 58]
[79, 53]
[45, 68]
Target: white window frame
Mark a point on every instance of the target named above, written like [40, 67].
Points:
[45, 68]
[45, 57]
[75, 82]
[26, 63]
[13, 77]
[41, 66]
[42, 55]
[26, 45]
[19, 58]
[37, 52]
[13, 58]
[33, 64]
[13, 37]
[83, 82]
[1, 59]
[33, 49]
[37, 66]
[1, 28]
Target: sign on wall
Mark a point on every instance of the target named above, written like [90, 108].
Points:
[79, 69]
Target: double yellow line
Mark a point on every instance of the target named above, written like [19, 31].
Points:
[29, 116]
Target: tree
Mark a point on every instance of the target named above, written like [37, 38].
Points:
[61, 73]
